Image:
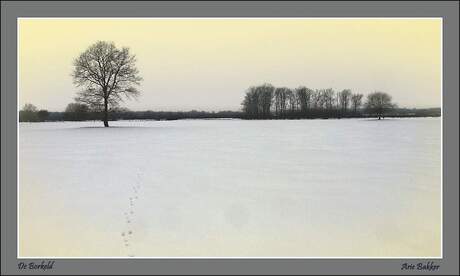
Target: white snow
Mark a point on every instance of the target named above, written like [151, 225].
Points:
[231, 188]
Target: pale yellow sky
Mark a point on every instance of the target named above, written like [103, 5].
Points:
[209, 63]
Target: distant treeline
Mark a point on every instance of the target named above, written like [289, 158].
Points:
[84, 114]
[260, 102]
[81, 112]
[269, 102]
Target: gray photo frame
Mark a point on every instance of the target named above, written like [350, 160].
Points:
[448, 11]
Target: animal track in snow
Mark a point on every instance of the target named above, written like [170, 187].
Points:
[128, 233]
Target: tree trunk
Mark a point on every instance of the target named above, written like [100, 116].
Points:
[106, 113]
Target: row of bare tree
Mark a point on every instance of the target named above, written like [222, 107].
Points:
[266, 101]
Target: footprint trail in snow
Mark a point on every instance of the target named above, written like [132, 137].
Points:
[129, 215]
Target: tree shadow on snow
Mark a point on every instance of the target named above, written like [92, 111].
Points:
[381, 120]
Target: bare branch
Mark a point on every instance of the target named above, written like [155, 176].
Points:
[107, 75]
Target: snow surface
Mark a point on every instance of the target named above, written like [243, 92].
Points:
[231, 188]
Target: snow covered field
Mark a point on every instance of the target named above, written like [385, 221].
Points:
[220, 188]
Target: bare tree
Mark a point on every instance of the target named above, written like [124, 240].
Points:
[265, 95]
[107, 75]
[28, 113]
[344, 98]
[29, 107]
[281, 100]
[356, 100]
[304, 96]
[328, 98]
[251, 103]
[317, 102]
[379, 103]
[291, 100]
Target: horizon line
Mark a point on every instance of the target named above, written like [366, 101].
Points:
[210, 111]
